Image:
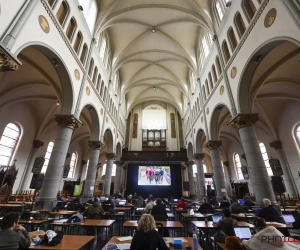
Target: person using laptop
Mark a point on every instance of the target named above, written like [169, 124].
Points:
[205, 207]
[259, 241]
[248, 202]
[182, 203]
[149, 205]
[269, 213]
[224, 203]
[227, 223]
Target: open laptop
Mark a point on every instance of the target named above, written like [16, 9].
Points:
[242, 201]
[243, 233]
[216, 218]
[122, 203]
[288, 218]
[175, 200]
[256, 210]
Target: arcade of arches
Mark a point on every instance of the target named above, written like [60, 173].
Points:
[211, 86]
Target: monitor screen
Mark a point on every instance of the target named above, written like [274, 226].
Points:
[175, 200]
[154, 175]
[122, 203]
[256, 210]
[216, 218]
[242, 232]
[288, 218]
[242, 201]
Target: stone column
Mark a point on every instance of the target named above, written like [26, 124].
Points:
[88, 191]
[118, 177]
[124, 167]
[191, 177]
[220, 185]
[28, 170]
[287, 175]
[109, 165]
[200, 175]
[53, 176]
[227, 179]
[184, 178]
[8, 62]
[257, 170]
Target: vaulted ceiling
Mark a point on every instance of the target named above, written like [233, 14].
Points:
[154, 46]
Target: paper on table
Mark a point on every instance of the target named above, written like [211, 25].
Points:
[123, 246]
[125, 238]
[171, 240]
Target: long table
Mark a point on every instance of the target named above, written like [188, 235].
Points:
[69, 242]
[189, 241]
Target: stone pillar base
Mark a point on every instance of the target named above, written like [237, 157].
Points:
[44, 205]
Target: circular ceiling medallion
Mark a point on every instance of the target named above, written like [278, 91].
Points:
[106, 119]
[77, 74]
[270, 17]
[222, 89]
[207, 111]
[88, 91]
[202, 119]
[233, 72]
[101, 111]
[44, 24]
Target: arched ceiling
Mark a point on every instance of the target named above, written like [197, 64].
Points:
[154, 66]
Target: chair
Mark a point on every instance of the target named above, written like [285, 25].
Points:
[160, 228]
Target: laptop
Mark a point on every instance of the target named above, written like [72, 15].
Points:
[216, 218]
[243, 233]
[242, 201]
[122, 203]
[256, 210]
[288, 218]
[175, 200]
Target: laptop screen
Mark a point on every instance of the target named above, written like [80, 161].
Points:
[288, 218]
[242, 201]
[122, 203]
[216, 218]
[243, 233]
[256, 210]
[175, 200]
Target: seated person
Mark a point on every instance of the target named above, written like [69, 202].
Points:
[140, 202]
[236, 207]
[182, 203]
[108, 204]
[214, 202]
[224, 203]
[205, 207]
[149, 205]
[248, 202]
[75, 205]
[12, 235]
[159, 211]
[227, 223]
[129, 199]
[146, 237]
[95, 208]
[260, 239]
[269, 213]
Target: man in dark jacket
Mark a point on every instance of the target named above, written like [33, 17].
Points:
[248, 202]
[12, 235]
[159, 211]
[227, 223]
[269, 213]
[224, 203]
[95, 208]
[108, 205]
[205, 207]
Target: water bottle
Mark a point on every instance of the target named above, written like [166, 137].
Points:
[195, 241]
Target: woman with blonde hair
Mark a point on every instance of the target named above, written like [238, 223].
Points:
[146, 237]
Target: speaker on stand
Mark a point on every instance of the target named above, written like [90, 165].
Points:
[278, 184]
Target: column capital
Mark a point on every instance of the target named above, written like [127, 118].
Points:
[110, 156]
[244, 120]
[96, 144]
[226, 163]
[124, 166]
[37, 144]
[188, 163]
[69, 121]
[118, 163]
[213, 144]
[7, 60]
[199, 156]
[275, 144]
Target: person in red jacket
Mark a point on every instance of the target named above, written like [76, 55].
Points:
[182, 203]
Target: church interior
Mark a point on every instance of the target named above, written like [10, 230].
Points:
[173, 98]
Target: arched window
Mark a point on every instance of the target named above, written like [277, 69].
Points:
[91, 67]
[203, 93]
[47, 156]
[83, 53]
[113, 172]
[297, 134]
[219, 10]
[71, 28]
[98, 83]
[95, 75]
[249, 9]
[195, 169]
[101, 89]
[265, 157]
[103, 48]
[210, 81]
[238, 166]
[205, 46]
[207, 87]
[239, 24]
[86, 168]
[73, 163]
[218, 65]
[78, 42]
[213, 69]
[225, 51]
[9, 143]
[104, 97]
[62, 12]
[232, 39]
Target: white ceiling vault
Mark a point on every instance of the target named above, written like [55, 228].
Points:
[154, 66]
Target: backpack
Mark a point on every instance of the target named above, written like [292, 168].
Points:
[74, 219]
[52, 238]
[220, 236]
